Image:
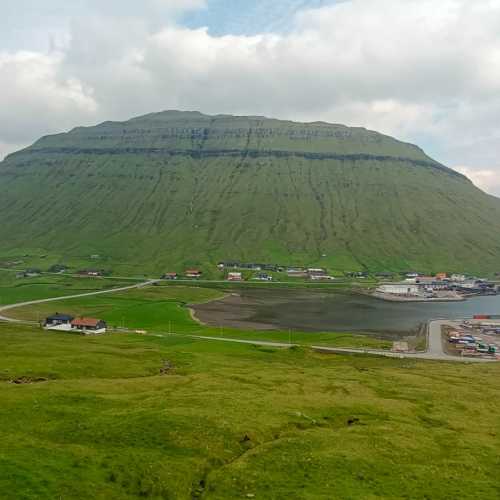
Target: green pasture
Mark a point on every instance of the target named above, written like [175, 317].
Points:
[125, 416]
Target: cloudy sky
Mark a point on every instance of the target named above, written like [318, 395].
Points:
[425, 71]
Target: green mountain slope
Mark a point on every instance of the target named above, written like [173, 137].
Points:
[172, 189]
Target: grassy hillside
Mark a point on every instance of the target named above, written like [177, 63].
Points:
[173, 189]
[94, 418]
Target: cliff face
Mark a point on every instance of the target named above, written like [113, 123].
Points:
[173, 189]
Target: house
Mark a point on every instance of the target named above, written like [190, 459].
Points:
[412, 274]
[296, 272]
[263, 277]
[169, 276]
[58, 268]
[29, 273]
[193, 273]
[312, 271]
[90, 272]
[357, 274]
[270, 267]
[384, 275]
[88, 325]
[234, 277]
[228, 265]
[441, 276]
[58, 322]
[251, 266]
[317, 277]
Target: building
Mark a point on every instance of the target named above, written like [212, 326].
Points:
[170, 276]
[29, 273]
[407, 289]
[193, 273]
[88, 326]
[58, 268]
[234, 277]
[469, 284]
[384, 276]
[316, 273]
[357, 274]
[58, 322]
[296, 272]
[431, 283]
[90, 272]
[441, 276]
[228, 265]
[263, 277]
[318, 277]
[412, 274]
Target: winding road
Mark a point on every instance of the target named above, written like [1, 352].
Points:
[434, 350]
[67, 297]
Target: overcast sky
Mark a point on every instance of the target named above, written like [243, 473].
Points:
[425, 71]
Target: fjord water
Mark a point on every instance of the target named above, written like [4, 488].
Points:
[306, 310]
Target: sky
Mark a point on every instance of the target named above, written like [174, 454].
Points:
[424, 71]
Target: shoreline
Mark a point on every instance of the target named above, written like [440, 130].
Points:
[396, 298]
[195, 318]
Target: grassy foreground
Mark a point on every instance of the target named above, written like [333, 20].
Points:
[99, 420]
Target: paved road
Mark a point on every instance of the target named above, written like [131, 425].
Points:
[434, 352]
[66, 297]
[434, 348]
[265, 343]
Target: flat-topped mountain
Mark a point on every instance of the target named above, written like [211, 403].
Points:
[172, 189]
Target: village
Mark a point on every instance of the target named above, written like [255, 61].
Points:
[440, 287]
[81, 325]
[478, 337]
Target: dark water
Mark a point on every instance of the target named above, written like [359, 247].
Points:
[323, 311]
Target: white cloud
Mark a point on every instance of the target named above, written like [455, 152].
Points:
[486, 179]
[422, 70]
[34, 96]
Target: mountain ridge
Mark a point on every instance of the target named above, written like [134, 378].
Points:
[183, 188]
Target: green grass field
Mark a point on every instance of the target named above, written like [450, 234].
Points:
[162, 309]
[237, 421]
[13, 290]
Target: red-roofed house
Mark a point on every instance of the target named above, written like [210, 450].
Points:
[193, 273]
[89, 325]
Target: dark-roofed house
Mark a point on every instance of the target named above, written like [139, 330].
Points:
[88, 325]
[170, 276]
[58, 322]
